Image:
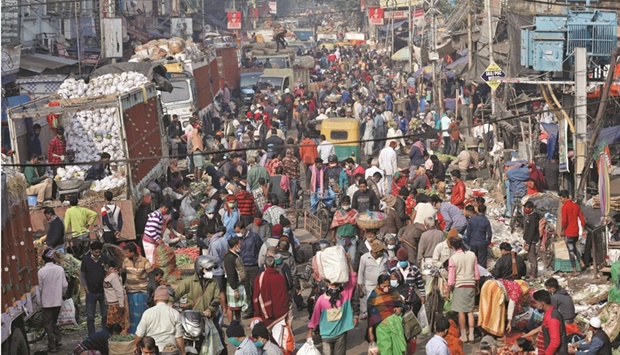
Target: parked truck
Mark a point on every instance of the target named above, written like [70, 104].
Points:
[247, 80]
[143, 142]
[21, 296]
[282, 79]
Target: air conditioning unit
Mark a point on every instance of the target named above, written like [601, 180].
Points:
[46, 40]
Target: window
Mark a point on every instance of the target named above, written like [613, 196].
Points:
[180, 92]
[286, 83]
[339, 135]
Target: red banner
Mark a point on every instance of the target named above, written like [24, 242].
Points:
[375, 16]
[234, 20]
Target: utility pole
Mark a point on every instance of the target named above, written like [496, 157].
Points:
[470, 42]
[491, 60]
[78, 37]
[581, 112]
[410, 39]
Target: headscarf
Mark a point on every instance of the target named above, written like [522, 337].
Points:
[538, 177]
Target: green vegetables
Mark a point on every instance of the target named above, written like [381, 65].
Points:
[121, 338]
[184, 259]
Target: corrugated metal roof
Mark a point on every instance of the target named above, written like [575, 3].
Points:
[39, 62]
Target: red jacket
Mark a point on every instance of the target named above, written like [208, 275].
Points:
[458, 195]
[308, 151]
[570, 214]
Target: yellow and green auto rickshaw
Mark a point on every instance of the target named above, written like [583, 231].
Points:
[345, 134]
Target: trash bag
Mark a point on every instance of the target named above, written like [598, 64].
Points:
[308, 349]
[67, 313]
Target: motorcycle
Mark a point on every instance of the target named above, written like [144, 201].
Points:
[193, 330]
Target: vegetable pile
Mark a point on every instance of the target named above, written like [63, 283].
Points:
[183, 259]
[192, 252]
[70, 172]
[121, 338]
[108, 84]
[165, 259]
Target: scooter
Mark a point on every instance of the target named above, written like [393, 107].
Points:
[193, 330]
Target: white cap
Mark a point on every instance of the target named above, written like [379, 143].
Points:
[595, 322]
[286, 91]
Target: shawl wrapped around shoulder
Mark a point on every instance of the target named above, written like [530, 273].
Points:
[381, 305]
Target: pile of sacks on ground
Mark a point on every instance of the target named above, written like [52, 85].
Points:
[162, 48]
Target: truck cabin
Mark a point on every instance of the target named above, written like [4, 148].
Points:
[277, 61]
[246, 85]
[265, 83]
[182, 100]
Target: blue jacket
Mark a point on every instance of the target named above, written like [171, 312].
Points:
[250, 246]
[479, 231]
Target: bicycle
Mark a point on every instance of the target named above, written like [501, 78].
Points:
[324, 213]
[434, 300]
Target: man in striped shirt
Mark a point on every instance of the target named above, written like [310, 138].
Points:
[137, 272]
[152, 236]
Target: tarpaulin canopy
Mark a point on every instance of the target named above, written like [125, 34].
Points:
[457, 64]
[611, 135]
[389, 27]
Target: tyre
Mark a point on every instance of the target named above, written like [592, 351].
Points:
[35, 329]
[19, 344]
[325, 220]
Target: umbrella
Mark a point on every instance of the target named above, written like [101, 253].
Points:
[402, 55]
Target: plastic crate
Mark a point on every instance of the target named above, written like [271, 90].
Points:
[564, 265]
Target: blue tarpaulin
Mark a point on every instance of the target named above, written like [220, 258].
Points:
[611, 135]
[552, 141]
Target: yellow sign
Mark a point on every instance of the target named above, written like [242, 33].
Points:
[493, 84]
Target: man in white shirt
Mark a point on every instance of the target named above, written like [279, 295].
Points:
[374, 168]
[445, 124]
[438, 345]
[53, 285]
[325, 148]
[161, 322]
[388, 162]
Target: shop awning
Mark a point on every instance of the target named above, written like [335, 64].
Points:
[39, 62]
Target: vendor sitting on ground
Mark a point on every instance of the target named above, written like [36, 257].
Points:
[98, 341]
[99, 170]
[509, 266]
[38, 182]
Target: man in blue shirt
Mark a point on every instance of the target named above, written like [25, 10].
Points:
[600, 343]
[479, 234]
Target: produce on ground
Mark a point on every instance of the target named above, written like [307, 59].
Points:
[192, 252]
[184, 259]
[165, 259]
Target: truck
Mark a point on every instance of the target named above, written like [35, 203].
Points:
[143, 143]
[228, 66]
[192, 86]
[304, 34]
[282, 79]
[21, 295]
[276, 60]
[247, 79]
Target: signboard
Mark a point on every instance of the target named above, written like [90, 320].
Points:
[234, 20]
[563, 145]
[10, 59]
[492, 75]
[396, 15]
[376, 16]
[273, 7]
[181, 27]
[395, 4]
[10, 22]
[112, 37]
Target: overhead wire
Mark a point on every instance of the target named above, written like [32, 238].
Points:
[226, 151]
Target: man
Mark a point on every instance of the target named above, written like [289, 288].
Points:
[137, 273]
[53, 284]
[572, 224]
[162, 323]
[240, 164]
[463, 279]
[236, 296]
[92, 274]
[365, 199]
[458, 191]
[509, 266]
[479, 234]
[376, 184]
[279, 38]
[262, 340]
[428, 241]
[245, 203]
[271, 296]
[57, 147]
[290, 166]
[236, 337]
[600, 344]
[308, 152]
[99, 340]
[410, 238]
[319, 188]
[344, 227]
[443, 251]
[388, 163]
[255, 173]
[251, 244]
[278, 143]
[455, 135]
[553, 329]
[56, 231]
[451, 214]
[152, 236]
[34, 142]
[561, 300]
[445, 133]
[338, 299]
[531, 236]
[412, 277]
[78, 219]
[462, 162]
[175, 128]
[371, 265]
[422, 210]
[325, 148]
[438, 345]
[38, 182]
[354, 169]
[100, 169]
[111, 218]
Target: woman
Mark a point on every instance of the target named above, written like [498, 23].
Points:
[406, 291]
[536, 181]
[391, 245]
[115, 296]
[494, 316]
[368, 136]
[385, 321]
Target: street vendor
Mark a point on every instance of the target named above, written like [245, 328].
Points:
[101, 169]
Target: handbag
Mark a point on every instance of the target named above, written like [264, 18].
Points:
[411, 326]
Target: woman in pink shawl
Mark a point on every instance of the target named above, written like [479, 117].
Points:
[537, 181]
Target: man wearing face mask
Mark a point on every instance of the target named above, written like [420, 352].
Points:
[209, 223]
[235, 276]
[250, 247]
[411, 275]
[336, 312]
[271, 296]
[92, 274]
[365, 199]
[260, 226]
[261, 338]
[231, 215]
[372, 264]
[344, 227]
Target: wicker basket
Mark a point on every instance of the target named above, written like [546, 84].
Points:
[377, 221]
[69, 184]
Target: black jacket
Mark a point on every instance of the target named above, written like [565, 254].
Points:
[531, 232]
[56, 233]
[606, 349]
[503, 267]
[563, 302]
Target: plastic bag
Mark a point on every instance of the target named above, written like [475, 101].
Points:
[332, 263]
[309, 349]
[67, 313]
[373, 349]
[423, 320]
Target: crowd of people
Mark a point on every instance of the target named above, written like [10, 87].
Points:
[251, 268]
